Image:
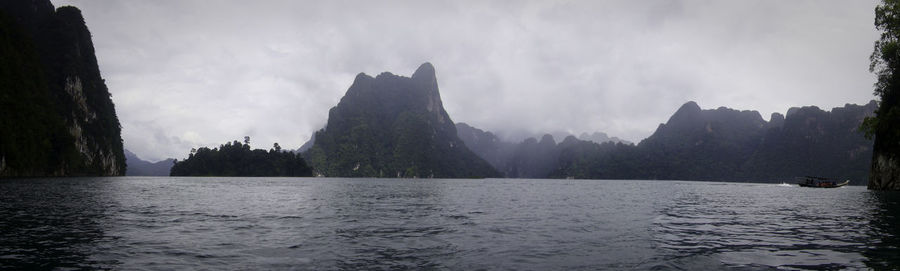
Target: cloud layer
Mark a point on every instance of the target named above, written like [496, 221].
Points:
[196, 73]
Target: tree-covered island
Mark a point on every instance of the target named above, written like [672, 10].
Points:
[237, 159]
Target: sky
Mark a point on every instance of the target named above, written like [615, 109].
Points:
[193, 73]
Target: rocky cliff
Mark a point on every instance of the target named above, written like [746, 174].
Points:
[58, 117]
[394, 126]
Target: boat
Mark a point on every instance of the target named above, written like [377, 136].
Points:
[819, 182]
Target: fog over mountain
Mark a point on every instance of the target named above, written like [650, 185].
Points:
[185, 74]
[698, 144]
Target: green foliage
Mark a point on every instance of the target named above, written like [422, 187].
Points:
[236, 159]
[885, 63]
[868, 127]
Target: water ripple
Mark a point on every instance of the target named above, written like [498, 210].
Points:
[328, 224]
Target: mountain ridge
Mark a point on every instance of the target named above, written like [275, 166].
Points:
[719, 144]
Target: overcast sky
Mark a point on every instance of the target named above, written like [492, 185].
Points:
[197, 73]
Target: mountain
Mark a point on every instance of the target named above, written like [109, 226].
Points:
[533, 158]
[530, 158]
[57, 114]
[138, 167]
[812, 141]
[394, 126]
[697, 144]
[731, 145]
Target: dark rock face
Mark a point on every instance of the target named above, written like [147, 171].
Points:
[77, 128]
[885, 171]
[394, 126]
[138, 167]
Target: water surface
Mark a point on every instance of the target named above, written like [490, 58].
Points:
[313, 223]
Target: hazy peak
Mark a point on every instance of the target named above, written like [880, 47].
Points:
[689, 107]
[361, 76]
[547, 139]
[687, 113]
[425, 71]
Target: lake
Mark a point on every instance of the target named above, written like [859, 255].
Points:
[334, 223]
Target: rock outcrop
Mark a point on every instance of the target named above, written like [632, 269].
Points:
[394, 126]
[58, 118]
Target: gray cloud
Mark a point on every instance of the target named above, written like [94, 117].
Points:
[198, 73]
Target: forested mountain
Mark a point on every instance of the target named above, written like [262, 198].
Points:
[56, 114]
[812, 141]
[138, 167]
[694, 144]
[530, 158]
[697, 144]
[730, 145]
[394, 126]
[236, 159]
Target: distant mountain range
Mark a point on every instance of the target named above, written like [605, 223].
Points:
[393, 126]
[138, 167]
[519, 136]
[56, 114]
[695, 144]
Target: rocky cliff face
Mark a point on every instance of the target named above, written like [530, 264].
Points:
[885, 171]
[78, 132]
[393, 126]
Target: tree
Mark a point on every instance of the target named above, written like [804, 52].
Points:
[247, 140]
[236, 159]
[276, 147]
[885, 63]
